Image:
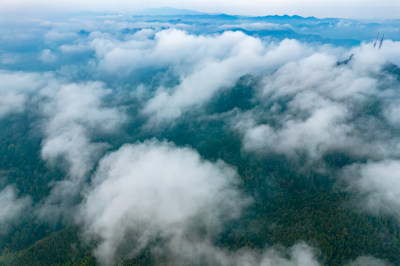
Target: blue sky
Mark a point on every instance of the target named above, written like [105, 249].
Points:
[367, 9]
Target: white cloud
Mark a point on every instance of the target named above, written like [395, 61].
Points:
[211, 76]
[392, 112]
[369, 59]
[367, 261]
[75, 113]
[10, 58]
[232, 55]
[11, 206]
[344, 24]
[322, 130]
[316, 105]
[378, 185]
[14, 90]
[47, 56]
[155, 189]
[203, 64]
[256, 26]
[59, 36]
[319, 73]
[204, 253]
[75, 48]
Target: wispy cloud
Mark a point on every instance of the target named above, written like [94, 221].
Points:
[12, 207]
[74, 112]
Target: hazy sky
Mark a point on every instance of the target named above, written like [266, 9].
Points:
[318, 8]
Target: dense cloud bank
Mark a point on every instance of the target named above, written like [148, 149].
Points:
[310, 100]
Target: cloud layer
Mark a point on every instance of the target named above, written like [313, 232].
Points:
[100, 83]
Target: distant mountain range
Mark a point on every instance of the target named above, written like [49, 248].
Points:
[166, 11]
[337, 31]
[170, 11]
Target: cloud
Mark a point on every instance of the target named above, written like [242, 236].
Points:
[377, 184]
[204, 253]
[199, 86]
[318, 72]
[316, 105]
[370, 59]
[344, 24]
[14, 90]
[237, 55]
[57, 36]
[192, 59]
[47, 56]
[255, 26]
[323, 129]
[367, 261]
[10, 58]
[202, 65]
[11, 206]
[75, 113]
[392, 112]
[152, 190]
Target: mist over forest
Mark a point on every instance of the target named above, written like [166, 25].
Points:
[174, 137]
